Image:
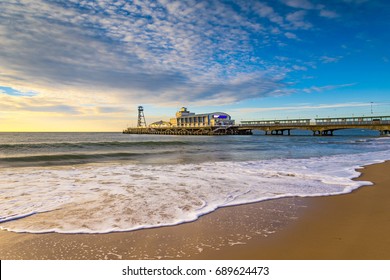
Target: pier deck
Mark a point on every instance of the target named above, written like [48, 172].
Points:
[204, 130]
[322, 130]
[320, 127]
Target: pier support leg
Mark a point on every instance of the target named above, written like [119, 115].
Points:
[327, 133]
[277, 132]
[322, 132]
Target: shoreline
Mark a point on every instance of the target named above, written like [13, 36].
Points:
[348, 226]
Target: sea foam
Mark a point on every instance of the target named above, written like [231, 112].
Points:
[97, 198]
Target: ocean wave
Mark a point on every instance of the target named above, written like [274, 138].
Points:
[123, 197]
[90, 145]
[74, 158]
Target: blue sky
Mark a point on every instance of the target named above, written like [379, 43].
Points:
[87, 65]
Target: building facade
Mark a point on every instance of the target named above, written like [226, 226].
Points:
[185, 118]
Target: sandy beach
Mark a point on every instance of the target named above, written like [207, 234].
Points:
[351, 226]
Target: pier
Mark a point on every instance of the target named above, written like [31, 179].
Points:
[219, 123]
[189, 123]
[320, 126]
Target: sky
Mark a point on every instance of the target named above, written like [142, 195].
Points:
[87, 65]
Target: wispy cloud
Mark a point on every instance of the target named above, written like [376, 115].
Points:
[263, 10]
[355, 1]
[290, 35]
[29, 104]
[328, 14]
[308, 5]
[297, 20]
[14, 92]
[326, 88]
[300, 4]
[328, 59]
[298, 107]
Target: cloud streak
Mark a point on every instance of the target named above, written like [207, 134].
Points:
[13, 92]
[299, 107]
[146, 50]
[326, 88]
[308, 5]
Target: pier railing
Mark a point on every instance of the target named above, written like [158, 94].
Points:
[320, 126]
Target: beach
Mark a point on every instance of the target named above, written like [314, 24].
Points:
[349, 226]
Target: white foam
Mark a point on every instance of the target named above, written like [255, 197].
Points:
[100, 199]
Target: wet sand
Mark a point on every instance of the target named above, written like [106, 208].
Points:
[351, 226]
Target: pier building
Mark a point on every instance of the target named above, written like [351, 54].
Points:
[185, 118]
[190, 123]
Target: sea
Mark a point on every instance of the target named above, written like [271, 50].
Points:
[111, 182]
